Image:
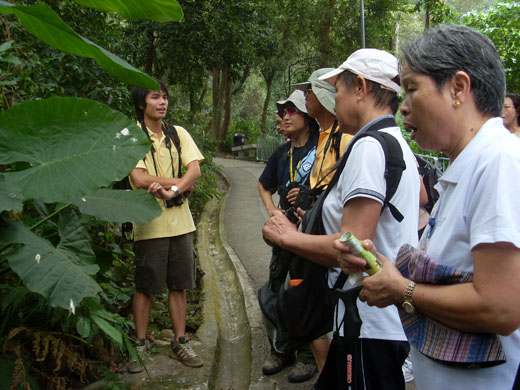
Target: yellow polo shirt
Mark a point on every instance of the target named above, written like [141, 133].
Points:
[324, 163]
[176, 220]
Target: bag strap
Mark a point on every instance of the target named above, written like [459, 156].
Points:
[152, 148]
[171, 134]
[394, 162]
[394, 167]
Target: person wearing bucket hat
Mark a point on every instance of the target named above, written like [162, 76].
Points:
[454, 82]
[286, 171]
[332, 142]
[367, 98]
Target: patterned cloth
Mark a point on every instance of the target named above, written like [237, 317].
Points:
[433, 338]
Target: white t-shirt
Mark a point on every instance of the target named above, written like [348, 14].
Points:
[478, 203]
[363, 176]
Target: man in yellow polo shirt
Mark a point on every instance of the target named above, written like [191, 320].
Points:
[320, 101]
[164, 247]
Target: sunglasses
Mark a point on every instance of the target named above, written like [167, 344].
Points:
[290, 110]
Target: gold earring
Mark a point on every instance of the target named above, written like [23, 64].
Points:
[456, 104]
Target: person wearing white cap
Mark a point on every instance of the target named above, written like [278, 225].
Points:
[286, 171]
[367, 99]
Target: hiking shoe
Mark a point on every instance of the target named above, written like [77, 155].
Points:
[137, 365]
[275, 364]
[408, 370]
[182, 351]
[302, 372]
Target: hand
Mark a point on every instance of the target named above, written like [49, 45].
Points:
[276, 227]
[273, 211]
[387, 286]
[292, 195]
[349, 263]
[159, 192]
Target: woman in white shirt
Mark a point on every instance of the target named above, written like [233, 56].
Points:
[454, 84]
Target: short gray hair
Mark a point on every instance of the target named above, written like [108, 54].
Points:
[444, 50]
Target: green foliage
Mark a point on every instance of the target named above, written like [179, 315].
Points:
[58, 157]
[47, 26]
[501, 23]
[158, 10]
[77, 144]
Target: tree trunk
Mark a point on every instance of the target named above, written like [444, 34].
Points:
[427, 18]
[395, 41]
[221, 103]
[269, 84]
[227, 104]
[150, 53]
[325, 34]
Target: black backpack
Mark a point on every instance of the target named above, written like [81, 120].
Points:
[303, 313]
[430, 176]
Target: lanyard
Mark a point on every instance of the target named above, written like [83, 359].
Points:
[292, 175]
[325, 150]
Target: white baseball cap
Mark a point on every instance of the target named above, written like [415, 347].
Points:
[373, 64]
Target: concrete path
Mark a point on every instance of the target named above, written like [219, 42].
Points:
[244, 216]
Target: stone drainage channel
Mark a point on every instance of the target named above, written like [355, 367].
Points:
[224, 297]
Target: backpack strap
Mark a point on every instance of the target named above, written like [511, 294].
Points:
[394, 167]
[394, 162]
[152, 148]
[171, 134]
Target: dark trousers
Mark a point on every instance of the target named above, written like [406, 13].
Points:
[369, 364]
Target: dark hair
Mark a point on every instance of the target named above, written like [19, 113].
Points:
[442, 51]
[139, 98]
[383, 97]
[515, 98]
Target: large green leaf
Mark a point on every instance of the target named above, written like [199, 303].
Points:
[119, 206]
[157, 10]
[62, 274]
[47, 26]
[10, 197]
[74, 146]
[108, 329]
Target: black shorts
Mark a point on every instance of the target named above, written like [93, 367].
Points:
[161, 261]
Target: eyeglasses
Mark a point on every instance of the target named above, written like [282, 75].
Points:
[307, 92]
[291, 111]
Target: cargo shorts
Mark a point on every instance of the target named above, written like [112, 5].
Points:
[160, 261]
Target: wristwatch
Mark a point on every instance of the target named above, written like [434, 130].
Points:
[175, 190]
[407, 305]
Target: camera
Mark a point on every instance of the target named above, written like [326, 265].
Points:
[304, 199]
[292, 215]
[283, 191]
[176, 200]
